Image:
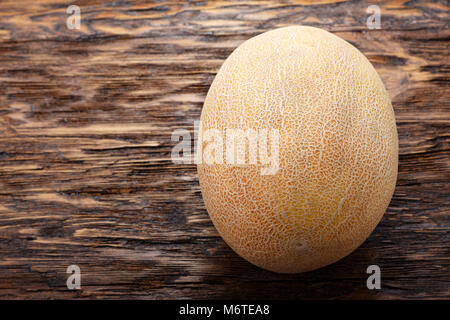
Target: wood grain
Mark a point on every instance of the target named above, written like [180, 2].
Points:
[86, 177]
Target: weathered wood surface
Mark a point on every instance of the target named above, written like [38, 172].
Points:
[85, 172]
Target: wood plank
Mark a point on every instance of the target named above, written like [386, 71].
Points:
[86, 177]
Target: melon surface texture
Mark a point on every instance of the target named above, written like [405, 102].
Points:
[338, 149]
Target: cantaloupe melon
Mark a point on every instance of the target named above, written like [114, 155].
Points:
[338, 149]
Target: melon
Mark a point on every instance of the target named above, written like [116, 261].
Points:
[336, 149]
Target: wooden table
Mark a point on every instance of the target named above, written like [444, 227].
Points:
[86, 177]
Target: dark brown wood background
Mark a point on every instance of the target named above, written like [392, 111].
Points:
[86, 177]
